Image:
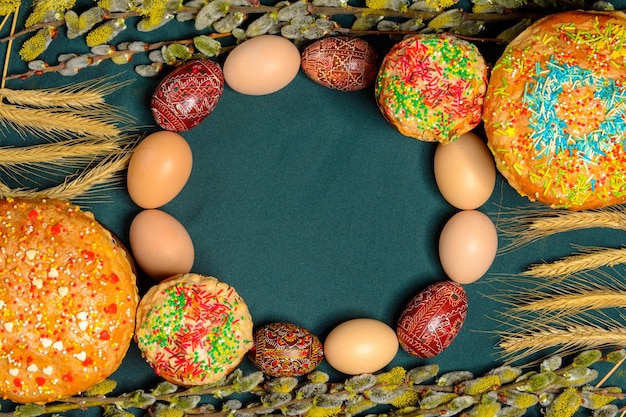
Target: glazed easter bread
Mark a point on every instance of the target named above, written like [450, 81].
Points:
[193, 329]
[68, 300]
[555, 110]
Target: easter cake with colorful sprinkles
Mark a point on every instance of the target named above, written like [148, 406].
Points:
[68, 300]
[431, 87]
[555, 110]
[193, 329]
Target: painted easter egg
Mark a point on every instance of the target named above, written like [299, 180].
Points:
[432, 319]
[285, 349]
[341, 63]
[186, 96]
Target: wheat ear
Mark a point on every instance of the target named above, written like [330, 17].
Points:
[581, 301]
[81, 149]
[570, 338]
[591, 258]
[532, 335]
[78, 95]
[52, 123]
[103, 174]
[526, 228]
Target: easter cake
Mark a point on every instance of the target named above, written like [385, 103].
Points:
[193, 329]
[431, 87]
[68, 299]
[555, 110]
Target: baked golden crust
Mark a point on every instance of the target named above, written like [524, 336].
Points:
[555, 110]
[68, 298]
[193, 329]
[431, 87]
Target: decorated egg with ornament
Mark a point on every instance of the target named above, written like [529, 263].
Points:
[432, 319]
[341, 63]
[285, 349]
[186, 96]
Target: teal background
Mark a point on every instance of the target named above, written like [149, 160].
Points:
[315, 209]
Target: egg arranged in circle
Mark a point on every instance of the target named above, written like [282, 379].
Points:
[160, 244]
[262, 65]
[465, 171]
[285, 349]
[432, 319]
[343, 63]
[360, 345]
[468, 245]
[186, 96]
[158, 169]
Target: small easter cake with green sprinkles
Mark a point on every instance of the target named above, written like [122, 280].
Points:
[555, 110]
[193, 329]
[431, 87]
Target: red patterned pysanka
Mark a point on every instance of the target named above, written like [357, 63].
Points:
[285, 349]
[341, 63]
[188, 95]
[432, 319]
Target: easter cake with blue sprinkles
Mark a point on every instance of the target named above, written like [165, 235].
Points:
[555, 110]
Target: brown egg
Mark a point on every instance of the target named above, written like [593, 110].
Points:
[262, 65]
[160, 244]
[158, 169]
[468, 244]
[465, 172]
[360, 346]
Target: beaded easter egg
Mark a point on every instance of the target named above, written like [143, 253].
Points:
[341, 63]
[285, 349]
[432, 319]
[186, 96]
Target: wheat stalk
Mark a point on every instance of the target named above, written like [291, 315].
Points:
[569, 338]
[528, 227]
[62, 123]
[78, 95]
[75, 149]
[104, 173]
[591, 258]
[581, 301]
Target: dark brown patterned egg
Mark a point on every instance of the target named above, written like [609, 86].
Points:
[188, 95]
[432, 319]
[285, 349]
[341, 63]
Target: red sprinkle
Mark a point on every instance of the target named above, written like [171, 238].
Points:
[55, 229]
[68, 377]
[40, 380]
[111, 308]
[33, 214]
[104, 335]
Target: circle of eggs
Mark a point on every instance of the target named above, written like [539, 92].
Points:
[432, 319]
[160, 244]
[468, 244]
[465, 171]
[360, 346]
[342, 63]
[262, 65]
[186, 96]
[285, 349]
[158, 169]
